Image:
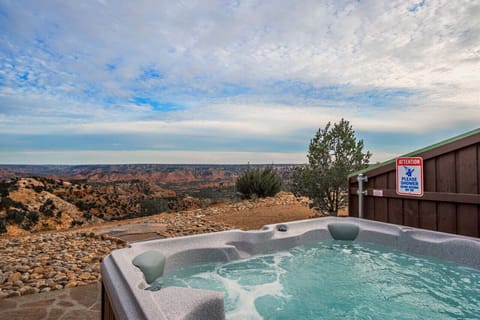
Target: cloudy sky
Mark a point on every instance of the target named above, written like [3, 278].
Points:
[231, 81]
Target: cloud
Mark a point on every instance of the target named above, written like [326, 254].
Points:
[215, 71]
[342, 42]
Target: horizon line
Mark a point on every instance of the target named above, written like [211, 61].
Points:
[147, 163]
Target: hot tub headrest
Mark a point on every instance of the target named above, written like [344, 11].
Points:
[343, 231]
[151, 263]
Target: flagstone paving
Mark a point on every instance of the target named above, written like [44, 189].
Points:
[73, 304]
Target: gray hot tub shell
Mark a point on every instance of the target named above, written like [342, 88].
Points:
[125, 284]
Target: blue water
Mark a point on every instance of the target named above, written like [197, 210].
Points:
[338, 280]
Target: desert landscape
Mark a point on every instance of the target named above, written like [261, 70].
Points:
[41, 198]
[55, 232]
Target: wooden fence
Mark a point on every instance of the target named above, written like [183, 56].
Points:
[451, 201]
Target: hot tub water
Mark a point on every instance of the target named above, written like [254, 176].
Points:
[337, 280]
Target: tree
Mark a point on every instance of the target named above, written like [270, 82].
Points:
[258, 182]
[333, 153]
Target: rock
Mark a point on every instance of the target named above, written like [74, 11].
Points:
[38, 270]
[22, 269]
[28, 290]
[49, 269]
[15, 277]
[84, 276]
[59, 277]
[25, 277]
[13, 294]
[71, 284]
[36, 276]
[43, 259]
[18, 283]
[9, 269]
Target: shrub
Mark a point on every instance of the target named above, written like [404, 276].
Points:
[32, 216]
[258, 182]
[5, 188]
[18, 215]
[76, 223]
[11, 213]
[8, 203]
[47, 208]
[154, 206]
[26, 225]
[30, 221]
[38, 189]
[83, 206]
[3, 226]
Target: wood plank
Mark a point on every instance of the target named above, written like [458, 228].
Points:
[353, 206]
[428, 215]
[381, 209]
[395, 211]
[370, 183]
[446, 215]
[467, 170]
[467, 220]
[411, 213]
[380, 182]
[429, 175]
[381, 206]
[392, 180]
[445, 173]
[369, 212]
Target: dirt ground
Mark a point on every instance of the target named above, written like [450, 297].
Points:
[255, 218]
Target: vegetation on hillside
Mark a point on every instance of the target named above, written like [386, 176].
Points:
[40, 202]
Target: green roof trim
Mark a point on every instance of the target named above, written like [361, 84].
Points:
[416, 152]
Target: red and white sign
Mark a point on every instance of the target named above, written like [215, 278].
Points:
[410, 176]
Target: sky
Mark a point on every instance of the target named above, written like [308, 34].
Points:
[87, 82]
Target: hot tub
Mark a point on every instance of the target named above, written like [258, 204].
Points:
[128, 274]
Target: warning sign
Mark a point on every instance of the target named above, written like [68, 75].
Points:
[410, 176]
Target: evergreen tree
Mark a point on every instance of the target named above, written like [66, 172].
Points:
[333, 153]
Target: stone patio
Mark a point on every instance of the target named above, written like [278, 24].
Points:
[73, 304]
